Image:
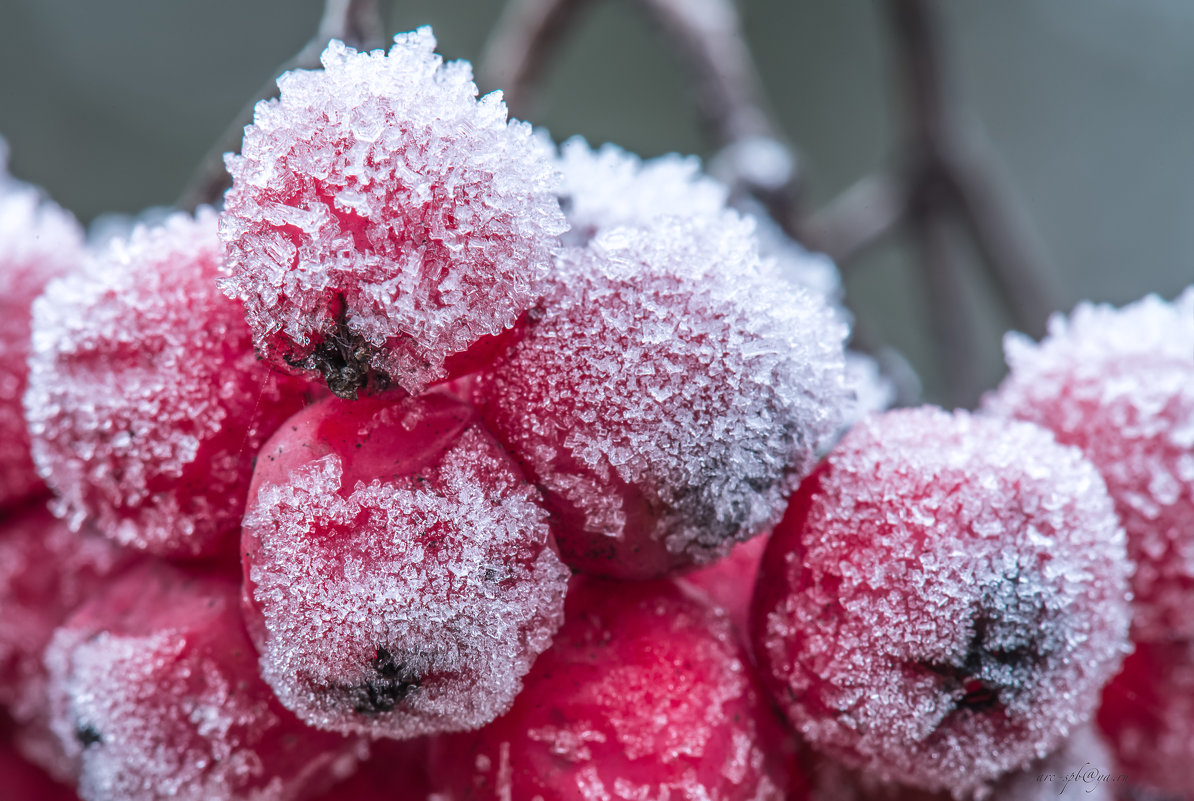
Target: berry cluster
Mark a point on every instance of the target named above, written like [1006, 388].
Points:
[444, 464]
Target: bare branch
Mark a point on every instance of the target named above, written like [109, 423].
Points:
[858, 218]
[938, 146]
[708, 35]
[1027, 290]
[950, 315]
[357, 23]
[522, 44]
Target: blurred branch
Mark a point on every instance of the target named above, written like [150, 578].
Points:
[729, 95]
[526, 37]
[938, 150]
[357, 23]
[858, 218]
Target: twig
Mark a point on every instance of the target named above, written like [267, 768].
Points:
[527, 35]
[357, 23]
[948, 179]
[858, 218]
[950, 314]
[729, 95]
[937, 140]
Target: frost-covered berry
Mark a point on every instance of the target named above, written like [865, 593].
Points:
[610, 188]
[382, 219]
[1119, 384]
[38, 242]
[401, 574]
[146, 401]
[1147, 715]
[46, 571]
[668, 396]
[944, 598]
[645, 694]
[155, 694]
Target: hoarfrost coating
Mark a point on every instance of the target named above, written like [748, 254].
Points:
[382, 219]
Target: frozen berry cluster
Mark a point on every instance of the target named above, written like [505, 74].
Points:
[445, 464]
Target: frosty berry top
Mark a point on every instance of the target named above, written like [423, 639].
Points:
[383, 220]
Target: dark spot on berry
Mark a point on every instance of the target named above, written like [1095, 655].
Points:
[343, 359]
[87, 736]
[395, 681]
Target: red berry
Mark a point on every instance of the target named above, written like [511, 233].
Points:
[155, 693]
[730, 582]
[645, 694]
[146, 401]
[24, 781]
[944, 598]
[395, 771]
[38, 242]
[382, 219]
[401, 572]
[669, 396]
[46, 571]
[1147, 716]
[1119, 384]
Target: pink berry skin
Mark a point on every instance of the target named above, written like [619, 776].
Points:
[730, 582]
[38, 242]
[943, 600]
[24, 781]
[1147, 716]
[146, 401]
[1119, 385]
[155, 694]
[646, 693]
[401, 575]
[383, 220]
[46, 571]
[395, 771]
[668, 395]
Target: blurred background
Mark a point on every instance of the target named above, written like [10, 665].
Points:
[1086, 107]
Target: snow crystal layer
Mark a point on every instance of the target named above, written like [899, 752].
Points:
[38, 242]
[670, 361]
[945, 598]
[146, 402]
[1081, 767]
[382, 218]
[611, 188]
[1119, 384]
[409, 605]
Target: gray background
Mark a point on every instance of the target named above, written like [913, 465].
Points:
[1086, 105]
